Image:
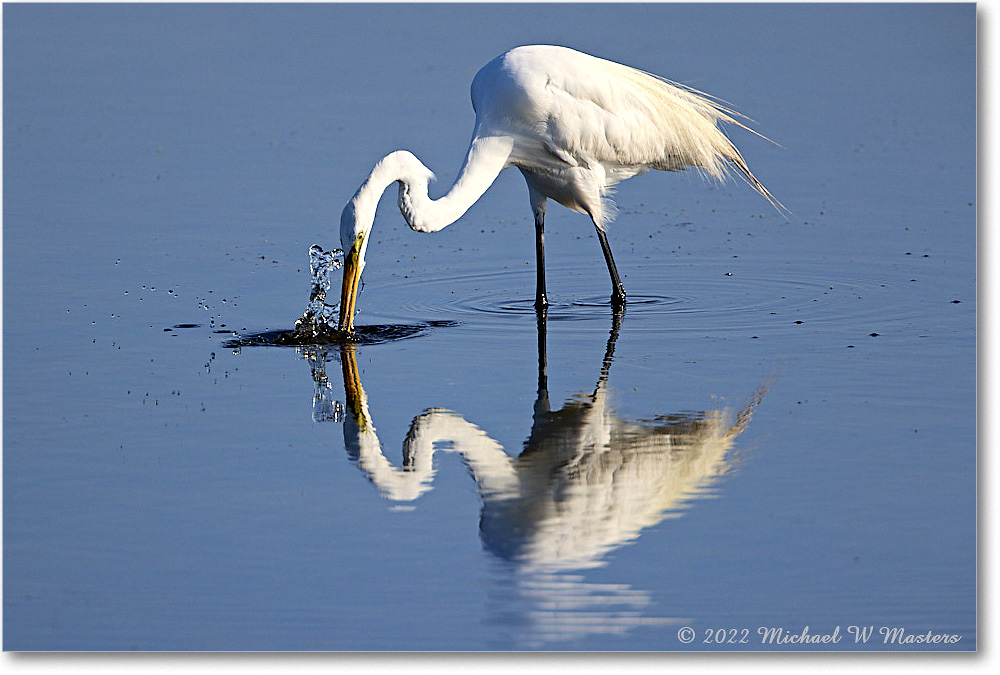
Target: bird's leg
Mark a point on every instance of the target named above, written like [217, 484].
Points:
[541, 302]
[618, 291]
[542, 400]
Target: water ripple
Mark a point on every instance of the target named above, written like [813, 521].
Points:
[701, 298]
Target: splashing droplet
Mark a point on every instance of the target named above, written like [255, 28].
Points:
[320, 318]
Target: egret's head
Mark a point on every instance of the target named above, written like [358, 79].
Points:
[354, 241]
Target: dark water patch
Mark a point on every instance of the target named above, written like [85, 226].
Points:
[362, 335]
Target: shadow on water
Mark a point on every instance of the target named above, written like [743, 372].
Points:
[362, 335]
[586, 483]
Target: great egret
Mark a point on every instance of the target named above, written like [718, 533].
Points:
[574, 125]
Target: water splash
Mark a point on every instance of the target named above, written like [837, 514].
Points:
[319, 321]
[318, 324]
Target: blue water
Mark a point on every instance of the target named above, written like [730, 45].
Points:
[572, 484]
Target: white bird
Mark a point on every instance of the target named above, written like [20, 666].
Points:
[575, 125]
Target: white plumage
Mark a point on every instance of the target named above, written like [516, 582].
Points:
[575, 125]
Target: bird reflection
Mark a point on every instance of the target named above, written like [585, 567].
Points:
[586, 483]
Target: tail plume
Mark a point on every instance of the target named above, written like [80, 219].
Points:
[737, 162]
[666, 93]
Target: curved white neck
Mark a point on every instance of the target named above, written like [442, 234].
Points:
[487, 157]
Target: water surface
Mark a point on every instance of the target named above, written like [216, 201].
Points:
[779, 432]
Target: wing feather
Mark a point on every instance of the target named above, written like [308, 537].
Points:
[615, 114]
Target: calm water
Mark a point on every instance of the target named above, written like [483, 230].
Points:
[779, 433]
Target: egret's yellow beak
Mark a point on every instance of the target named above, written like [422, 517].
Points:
[349, 290]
